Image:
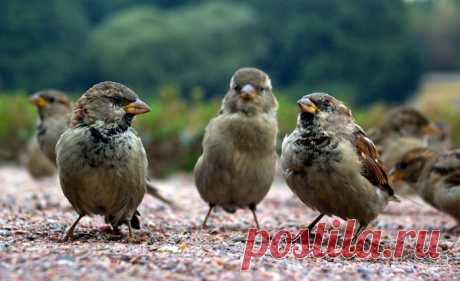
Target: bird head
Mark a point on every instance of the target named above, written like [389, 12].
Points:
[321, 106]
[51, 103]
[411, 165]
[250, 92]
[109, 102]
[409, 122]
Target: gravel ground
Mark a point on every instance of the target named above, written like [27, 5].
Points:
[172, 246]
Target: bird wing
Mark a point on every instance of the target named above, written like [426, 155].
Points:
[372, 169]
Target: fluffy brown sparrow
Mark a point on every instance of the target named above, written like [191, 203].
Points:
[238, 163]
[331, 165]
[54, 111]
[434, 176]
[404, 129]
[101, 162]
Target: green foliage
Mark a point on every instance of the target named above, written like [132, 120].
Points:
[17, 120]
[41, 44]
[199, 45]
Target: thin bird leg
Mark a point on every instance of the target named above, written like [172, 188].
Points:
[211, 206]
[130, 230]
[313, 223]
[310, 227]
[252, 207]
[360, 229]
[69, 233]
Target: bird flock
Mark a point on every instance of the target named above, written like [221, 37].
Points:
[328, 161]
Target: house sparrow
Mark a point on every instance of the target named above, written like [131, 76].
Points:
[402, 127]
[434, 176]
[331, 165]
[35, 161]
[54, 110]
[238, 163]
[101, 162]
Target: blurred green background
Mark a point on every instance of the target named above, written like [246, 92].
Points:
[180, 54]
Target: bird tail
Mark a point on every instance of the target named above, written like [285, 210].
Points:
[153, 191]
[229, 210]
[135, 222]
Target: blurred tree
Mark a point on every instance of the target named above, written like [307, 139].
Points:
[42, 44]
[436, 28]
[358, 50]
[200, 45]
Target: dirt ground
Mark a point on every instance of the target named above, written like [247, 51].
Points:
[172, 246]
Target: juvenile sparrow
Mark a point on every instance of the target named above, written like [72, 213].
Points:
[402, 127]
[434, 176]
[331, 165]
[101, 162]
[54, 111]
[237, 166]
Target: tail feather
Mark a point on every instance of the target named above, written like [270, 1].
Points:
[135, 222]
[153, 191]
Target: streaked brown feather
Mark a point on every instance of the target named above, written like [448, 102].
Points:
[372, 168]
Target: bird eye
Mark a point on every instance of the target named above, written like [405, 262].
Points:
[402, 166]
[237, 88]
[50, 99]
[117, 100]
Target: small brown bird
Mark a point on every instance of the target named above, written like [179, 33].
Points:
[101, 162]
[238, 163]
[54, 110]
[331, 165]
[434, 176]
[403, 129]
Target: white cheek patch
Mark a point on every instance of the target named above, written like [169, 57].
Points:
[231, 82]
[268, 83]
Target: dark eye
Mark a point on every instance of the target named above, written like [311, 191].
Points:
[117, 100]
[402, 166]
[237, 88]
[50, 99]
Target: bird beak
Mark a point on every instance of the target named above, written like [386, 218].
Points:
[38, 101]
[137, 107]
[306, 105]
[248, 92]
[396, 175]
[431, 129]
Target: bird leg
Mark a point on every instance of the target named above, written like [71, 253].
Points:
[252, 207]
[211, 206]
[130, 230]
[360, 229]
[69, 233]
[314, 222]
[310, 227]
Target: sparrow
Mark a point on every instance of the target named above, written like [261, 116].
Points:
[403, 127]
[329, 162]
[434, 176]
[237, 166]
[102, 164]
[54, 111]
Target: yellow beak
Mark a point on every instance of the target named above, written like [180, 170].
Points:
[137, 107]
[38, 101]
[306, 105]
